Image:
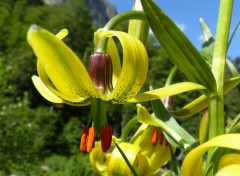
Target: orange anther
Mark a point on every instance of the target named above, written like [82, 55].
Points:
[91, 139]
[83, 142]
[154, 136]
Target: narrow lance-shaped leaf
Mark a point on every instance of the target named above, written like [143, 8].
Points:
[208, 40]
[138, 28]
[178, 47]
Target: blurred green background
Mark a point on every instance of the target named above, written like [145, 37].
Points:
[38, 137]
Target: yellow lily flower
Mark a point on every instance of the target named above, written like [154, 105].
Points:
[147, 151]
[229, 163]
[147, 154]
[64, 79]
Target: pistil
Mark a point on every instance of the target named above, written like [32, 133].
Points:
[100, 71]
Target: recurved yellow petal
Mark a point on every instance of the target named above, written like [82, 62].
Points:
[192, 164]
[229, 159]
[229, 170]
[117, 165]
[134, 66]
[170, 90]
[113, 52]
[82, 101]
[201, 102]
[44, 91]
[96, 159]
[49, 95]
[62, 66]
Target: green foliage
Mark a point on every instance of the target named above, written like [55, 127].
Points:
[24, 133]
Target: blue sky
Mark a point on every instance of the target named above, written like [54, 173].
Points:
[186, 14]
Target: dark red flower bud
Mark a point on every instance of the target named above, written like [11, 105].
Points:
[100, 70]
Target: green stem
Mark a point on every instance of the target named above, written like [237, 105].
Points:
[216, 111]
[216, 99]
[125, 16]
[131, 123]
[98, 114]
[112, 24]
[171, 76]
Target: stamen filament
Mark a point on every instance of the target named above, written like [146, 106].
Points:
[161, 138]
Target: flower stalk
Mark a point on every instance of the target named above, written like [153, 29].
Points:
[216, 111]
[216, 99]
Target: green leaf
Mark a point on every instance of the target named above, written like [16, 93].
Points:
[161, 112]
[178, 47]
[208, 40]
[232, 68]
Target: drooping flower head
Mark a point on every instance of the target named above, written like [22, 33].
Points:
[64, 79]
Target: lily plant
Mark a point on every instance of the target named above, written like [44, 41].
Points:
[63, 78]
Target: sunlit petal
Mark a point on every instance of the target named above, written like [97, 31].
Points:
[62, 66]
[81, 101]
[50, 96]
[201, 102]
[166, 91]
[96, 159]
[113, 52]
[229, 159]
[158, 154]
[192, 164]
[134, 66]
[44, 91]
[62, 33]
[229, 170]
[117, 165]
